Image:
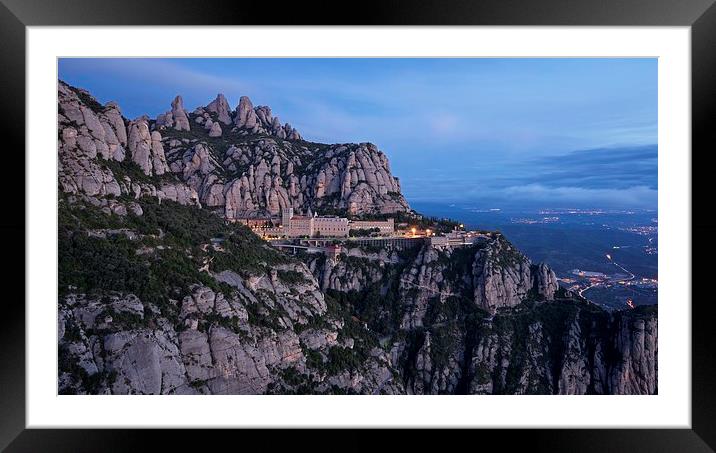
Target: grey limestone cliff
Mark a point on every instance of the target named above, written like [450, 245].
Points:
[242, 163]
[484, 319]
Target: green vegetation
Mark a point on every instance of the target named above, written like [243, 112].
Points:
[509, 256]
[363, 232]
[443, 346]
[314, 359]
[87, 100]
[414, 219]
[174, 235]
[343, 359]
[260, 316]
[414, 340]
[292, 277]
[121, 319]
[327, 205]
[81, 216]
[232, 323]
[90, 383]
[130, 169]
[459, 263]
[378, 305]
[198, 384]
[555, 319]
[291, 382]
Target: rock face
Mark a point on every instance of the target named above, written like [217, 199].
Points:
[621, 359]
[259, 120]
[544, 281]
[97, 147]
[176, 118]
[181, 121]
[246, 163]
[220, 106]
[146, 149]
[262, 336]
[88, 136]
[502, 277]
[267, 176]
[492, 274]
[215, 130]
[245, 115]
[432, 297]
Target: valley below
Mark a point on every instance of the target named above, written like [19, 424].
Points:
[609, 255]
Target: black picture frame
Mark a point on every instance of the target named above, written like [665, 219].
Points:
[16, 15]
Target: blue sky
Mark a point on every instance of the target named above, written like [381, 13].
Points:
[536, 132]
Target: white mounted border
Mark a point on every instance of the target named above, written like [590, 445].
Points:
[670, 408]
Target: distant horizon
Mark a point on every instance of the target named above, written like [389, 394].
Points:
[505, 206]
[578, 132]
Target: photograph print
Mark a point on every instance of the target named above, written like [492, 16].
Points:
[373, 226]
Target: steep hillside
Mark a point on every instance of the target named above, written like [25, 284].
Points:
[483, 319]
[170, 299]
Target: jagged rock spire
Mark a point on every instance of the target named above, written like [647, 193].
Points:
[245, 115]
[181, 120]
[146, 148]
[176, 117]
[220, 106]
[260, 120]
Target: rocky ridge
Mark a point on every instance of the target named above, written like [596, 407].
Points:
[241, 163]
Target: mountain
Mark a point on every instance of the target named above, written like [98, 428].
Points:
[252, 166]
[159, 294]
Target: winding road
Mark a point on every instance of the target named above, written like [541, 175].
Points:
[621, 280]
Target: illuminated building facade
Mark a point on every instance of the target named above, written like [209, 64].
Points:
[385, 227]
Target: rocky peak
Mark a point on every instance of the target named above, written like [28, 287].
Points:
[181, 121]
[145, 147]
[115, 121]
[176, 117]
[248, 175]
[245, 115]
[89, 134]
[220, 106]
[544, 280]
[260, 120]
